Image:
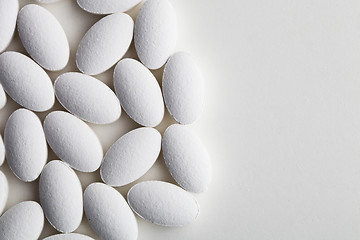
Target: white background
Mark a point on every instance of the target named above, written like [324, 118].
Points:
[281, 121]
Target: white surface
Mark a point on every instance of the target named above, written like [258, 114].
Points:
[8, 14]
[281, 118]
[69, 236]
[3, 97]
[4, 191]
[107, 6]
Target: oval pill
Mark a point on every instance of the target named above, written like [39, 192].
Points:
[183, 88]
[105, 43]
[61, 196]
[2, 151]
[163, 203]
[4, 191]
[25, 145]
[69, 236]
[43, 37]
[108, 213]
[25, 220]
[139, 92]
[131, 156]
[2, 97]
[186, 158]
[87, 98]
[73, 141]
[155, 33]
[107, 6]
[8, 14]
[26, 82]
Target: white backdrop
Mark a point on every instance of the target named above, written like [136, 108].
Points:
[281, 122]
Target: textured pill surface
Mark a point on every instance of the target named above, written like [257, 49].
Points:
[4, 191]
[107, 6]
[69, 236]
[183, 88]
[8, 15]
[105, 43]
[2, 151]
[163, 203]
[61, 196]
[2, 97]
[131, 156]
[87, 98]
[25, 220]
[108, 213]
[155, 33]
[186, 158]
[73, 141]
[26, 82]
[139, 92]
[25, 144]
[43, 37]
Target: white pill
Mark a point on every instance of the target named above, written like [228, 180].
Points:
[183, 88]
[43, 37]
[4, 191]
[87, 98]
[186, 158]
[105, 43]
[155, 33]
[8, 14]
[108, 213]
[25, 144]
[2, 97]
[107, 6]
[163, 203]
[73, 141]
[131, 156]
[47, 1]
[2, 151]
[25, 220]
[139, 92]
[68, 236]
[61, 196]
[26, 82]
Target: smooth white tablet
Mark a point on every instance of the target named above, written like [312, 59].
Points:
[25, 220]
[108, 213]
[183, 88]
[25, 144]
[43, 37]
[186, 158]
[69, 236]
[105, 43]
[4, 191]
[131, 156]
[139, 92]
[8, 14]
[155, 33]
[26, 82]
[2, 97]
[163, 203]
[2, 151]
[87, 98]
[73, 141]
[61, 196]
[107, 6]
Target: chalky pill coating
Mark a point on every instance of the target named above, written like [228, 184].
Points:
[43, 37]
[163, 203]
[108, 213]
[8, 14]
[183, 88]
[25, 220]
[131, 156]
[25, 144]
[47, 1]
[107, 6]
[73, 141]
[61, 196]
[4, 191]
[186, 158]
[69, 236]
[26, 82]
[139, 92]
[2, 97]
[2, 151]
[87, 98]
[105, 43]
[155, 33]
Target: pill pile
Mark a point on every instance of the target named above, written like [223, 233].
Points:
[86, 99]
